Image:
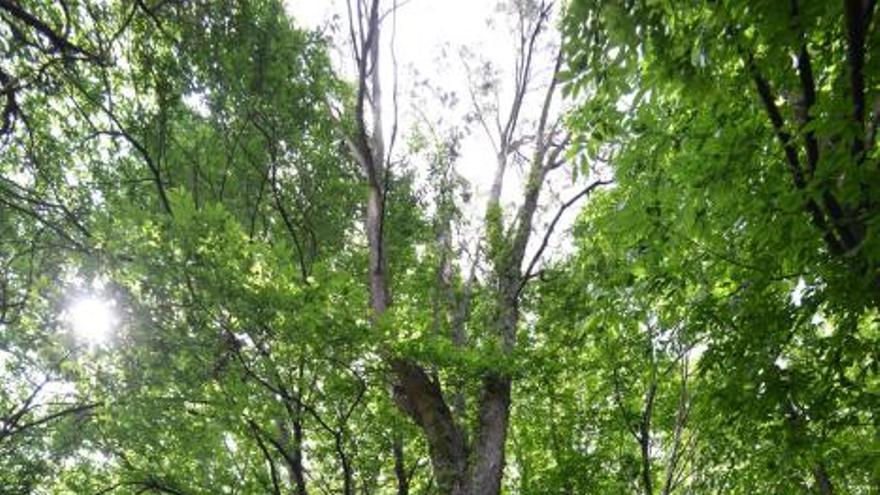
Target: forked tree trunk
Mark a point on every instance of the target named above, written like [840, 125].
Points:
[458, 468]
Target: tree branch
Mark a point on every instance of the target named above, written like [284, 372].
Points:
[58, 41]
[791, 156]
[808, 89]
[857, 15]
[546, 240]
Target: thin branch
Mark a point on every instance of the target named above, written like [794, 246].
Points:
[546, 240]
[542, 137]
[478, 111]
[792, 160]
[393, 10]
[58, 41]
[153, 17]
[523, 74]
[355, 39]
[395, 90]
[277, 196]
[618, 400]
[122, 132]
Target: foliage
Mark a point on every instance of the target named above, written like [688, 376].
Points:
[202, 166]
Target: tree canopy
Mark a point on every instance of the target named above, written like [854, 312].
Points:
[232, 260]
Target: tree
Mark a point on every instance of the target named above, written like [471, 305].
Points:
[749, 214]
[459, 465]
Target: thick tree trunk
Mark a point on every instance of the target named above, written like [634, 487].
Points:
[488, 463]
[379, 298]
[494, 410]
[420, 396]
[457, 470]
[415, 392]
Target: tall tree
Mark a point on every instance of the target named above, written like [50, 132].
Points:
[460, 466]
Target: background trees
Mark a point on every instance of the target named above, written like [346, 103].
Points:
[743, 213]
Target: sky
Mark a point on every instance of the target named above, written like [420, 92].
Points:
[429, 34]
[427, 43]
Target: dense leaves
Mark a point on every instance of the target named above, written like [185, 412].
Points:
[302, 304]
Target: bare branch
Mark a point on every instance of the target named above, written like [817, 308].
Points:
[546, 240]
[393, 11]
[542, 137]
[395, 90]
[478, 111]
[523, 73]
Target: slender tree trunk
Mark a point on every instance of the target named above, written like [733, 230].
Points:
[823, 482]
[645, 438]
[681, 418]
[297, 471]
[348, 485]
[292, 454]
[400, 465]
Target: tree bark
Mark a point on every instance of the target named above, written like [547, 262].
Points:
[420, 397]
[494, 416]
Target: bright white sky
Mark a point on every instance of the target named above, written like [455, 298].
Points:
[426, 30]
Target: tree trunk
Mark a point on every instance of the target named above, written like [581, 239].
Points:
[488, 462]
[400, 465]
[348, 485]
[292, 451]
[823, 482]
[420, 396]
[416, 392]
[297, 472]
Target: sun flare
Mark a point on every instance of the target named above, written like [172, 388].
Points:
[91, 319]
